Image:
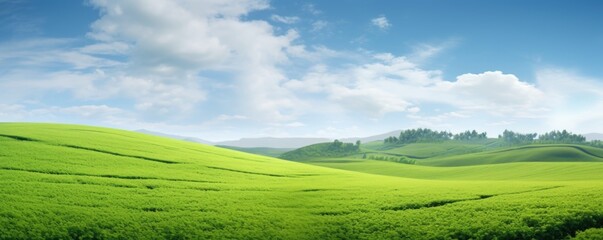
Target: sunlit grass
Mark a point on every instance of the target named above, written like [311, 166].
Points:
[67, 181]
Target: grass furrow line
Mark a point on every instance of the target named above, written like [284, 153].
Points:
[439, 203]
[50, 172]
[247, 172]
[120, 154]
[18, 138]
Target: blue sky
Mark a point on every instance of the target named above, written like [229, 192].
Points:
[249, 68]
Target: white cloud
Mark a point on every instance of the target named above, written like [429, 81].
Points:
[375, 88]
[501, 123]
[438, 121]
[424, 51]
[171, 44]
[494, 92]
[99, 114]
[156, 56]
[92, 111]
[12, 112]
[340, 131]
[112, 48]
[392, 84]
[32, 84]
[225, 117]
[295, 124]
[157, 96]
[381, 22]
[44, 53]
[284, 19]
[374, 101]
[575, 100]
[181, 35]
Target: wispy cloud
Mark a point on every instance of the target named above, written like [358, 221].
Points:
[225, 117]
[319, 25]
[425, 51]
[311, 8]
[284, 19]
[14, 19]
[381, 22]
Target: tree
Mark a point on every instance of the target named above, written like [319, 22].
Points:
[561, 137]
[517, 138]
[470, 135]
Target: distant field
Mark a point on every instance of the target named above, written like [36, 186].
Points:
[523, 171]
[69, 181]
[530, 153]
[427, 150]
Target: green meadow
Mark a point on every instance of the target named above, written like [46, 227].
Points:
[80, 182]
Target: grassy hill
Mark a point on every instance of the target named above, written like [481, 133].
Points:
[320, 150]
[460, 153]
[521, 171]
[447, 148]
[529, 153]
[79, 182]
[460, 160]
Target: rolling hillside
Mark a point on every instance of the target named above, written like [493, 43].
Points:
[530, 153]
[79, 182]
[320, 150]
[520, 171]
[428, 150]
[458, 153]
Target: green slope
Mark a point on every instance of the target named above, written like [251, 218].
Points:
[530, 153]
[68, 181]
[428, 150]
[521, 171]
[412, 150]
[321, 150]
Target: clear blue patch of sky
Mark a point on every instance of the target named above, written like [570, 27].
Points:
[51, 19]
[511, 36]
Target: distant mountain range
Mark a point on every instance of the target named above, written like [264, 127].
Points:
[593, 136]
[373, 138]
[189, 139]
[271, 142]
[297, 142]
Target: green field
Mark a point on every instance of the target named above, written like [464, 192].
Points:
[69, 181]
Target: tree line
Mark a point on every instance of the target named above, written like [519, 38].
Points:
[338, 146]
[404, 160]
[554, 136]
[425, 135]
